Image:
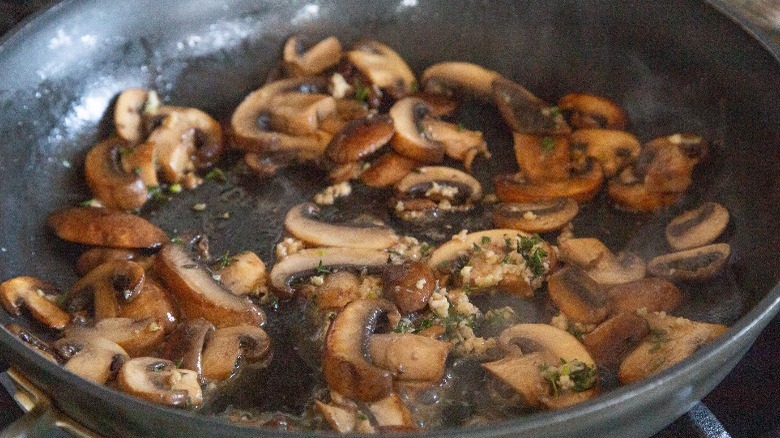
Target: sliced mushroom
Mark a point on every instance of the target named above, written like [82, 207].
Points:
[585, 252]
[159, 381]
[105, 287]
[184, 346]
[581, 186]
[388, 169]
[435, 188]
[153, 301]
[336, 291]
[310, 261]
[411, 139]
[104, 227]
[652, 294]
[198, 294]
[392, 415]
[137, 338]
[671, 340]
[383, 67]
[304, 223]
[299, 113]
[90, 356]
[408, 356]
[459, 143]
[37, 344]
[226, 347]
[578, 296]
[614, 149]
[666, 163]
[30, 293]
[589, 111]
[535, 217]
[630, 194]
[318, 58]
[692, 264]
[244, 274]
[141, 160]
[697, 227]
[459, 78]
[341, 419]
[542, 158]
[440, 105]
[599, 262]
[526, 113]
[108, 181]
[409, 285]
[345, 361]
[93, 257]
[613, 339]
[360, 138]
[128, 114]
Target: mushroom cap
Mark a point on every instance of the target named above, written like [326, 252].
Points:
[613, 149]
[461, 78]
[692, 264]
[409, 356]
[411, 138]
[613, 339]
[582, 187]
[96, 256]
[159, 381]
[104, 227]
[409, 285]
[106, 286]
[423, 178]
[360, 138]
[697, 227]
[108, 181]
[90, 356]
[459, 143]
[383, 66]
[525, 113]
[388, 169]
[535, 217]
[585, 111]
[225, 347]
[637, 197]
[652, 294]
[185, 344]
[137, 338]
[128, 114]
[459, 246]
[29, 293]
[578, 296]
[542, 157]
[245, 274]
[318, 58]
[303, 222]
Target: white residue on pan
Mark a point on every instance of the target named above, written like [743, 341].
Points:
[222, 35]
[306, 13]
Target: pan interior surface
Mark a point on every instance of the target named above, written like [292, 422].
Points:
[674, 67]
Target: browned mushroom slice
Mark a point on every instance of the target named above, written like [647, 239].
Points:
[459, 143]
[585, 252]
[228, 346]
[526, 113]
[184, 346]
[409, 285]
[107, 286]
[90, 356]
[159, 381]
[652, 294]
[309, 261]
[613, 339]
[599, 262]
[104, 227]
[697, 227]
[535, 217]
[108, 181]
[142, 161]
[303, 221]
[37, 344]
[337, 290]
[360, 138]
[589, 111]
[340, 418]
[318, 58]
[629, 194]
[199, 295]
[671, 340]
[692, 264]
[153, 301]
[614, 149]
[299, 113]
[388, 169]
[540, 356]
[578, 296]
[392, 414]
[459, 78]
[345, 362]
[438, 183]
[243, 273]
[137, 338]
[93, 257]
[581, 187]
[128, 114]
[440, 105]
[542, 158]
[411, 138]
[383, 67]
[666, 164]
[409, 356]
[29, 292]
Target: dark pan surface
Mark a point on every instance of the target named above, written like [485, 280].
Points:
[673, 67]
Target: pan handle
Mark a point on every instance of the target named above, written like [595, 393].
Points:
[41, 418]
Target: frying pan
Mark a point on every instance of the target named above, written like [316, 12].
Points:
[673, 65]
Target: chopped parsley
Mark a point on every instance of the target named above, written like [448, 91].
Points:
[362, 93]
[485, 240]
[533, 255]
[217, 175]
[224, 261]
[574, 375]
[405, 325]
[460, 127]
[547, 144]
[125, 151]
[321, 269]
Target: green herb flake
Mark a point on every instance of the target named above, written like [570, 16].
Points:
[485, 240]
[224, 261]
[362, 93]
[321, 269]
[554, 112]
[176, 239]
[217, 175]
[125, 151]
[179, 362]
[476, 247]
[425, 249]
[175, 188]
[460, 127]
[547, 144]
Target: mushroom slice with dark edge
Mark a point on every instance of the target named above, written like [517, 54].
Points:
[316, 59]
[198, 294]
[153, 301]
[409, 356]
[411, 138]
[600, 263]
[185, 344]
[37, 344]
[629, 193]
[322, 260]
[243, 273]
[589, 111]
[137, 338]
[692, 264]
[526, 113]
[388, 169]
[542, 157]
[300, 113]
[539, 356]
[95, 256]
[440, 105]
[581, 186]
[389, 414]
[30, 293]
[383, 67]
[104, 227]
[535, 217]
[105, 287]
[90, 356]
[128, 114]
[697, 227]
[613, 149]
[666, 163]
[409, 285]
[671, 340]
[159, 381]
[439, 188]
[578, 296]
[652, 294]
[109, 182]
[345, 362]
[360, 138]
[459, 143]
[459, 78]
[225, 347]
[613, 339]
[303, 222]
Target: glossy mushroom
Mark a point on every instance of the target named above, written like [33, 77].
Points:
[697, 227]
[410, 357]
[360, 138]
[128, 114]
[303, 222]
[106, 288]
[459, 78]
[589, 111]
[314, 60]
[578, 296]
[243, 273]
[600, 263]
[383, 66]
[226, 347]
[409, 285]
[137, 338]
[581, 186]
[109, 182]
[90, 356]
[613, 149]
[184, 346]
[535, 217]
[525, 113]
[104, 227]
[411, 138]
[388, 169]
[160, 381]
[30, 293]
[614, 338]
[652, 294]
[691, 264]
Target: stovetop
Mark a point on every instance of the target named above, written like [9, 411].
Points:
[745, 404]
